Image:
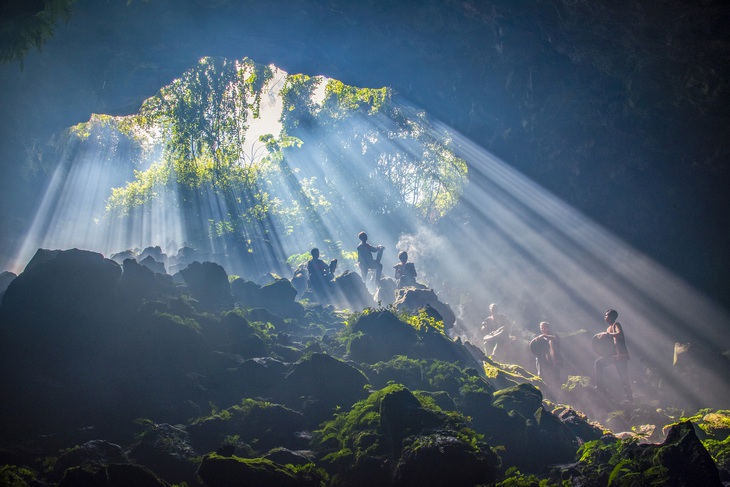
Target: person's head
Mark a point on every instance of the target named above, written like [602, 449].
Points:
[545, 328]
[315, 253]
[611, 316]
[403, 256]
[363, 237]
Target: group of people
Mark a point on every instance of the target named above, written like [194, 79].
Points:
[368, 258]
[548, 357]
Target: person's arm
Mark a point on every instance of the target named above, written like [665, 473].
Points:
[619, 331]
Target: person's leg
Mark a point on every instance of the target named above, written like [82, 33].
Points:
[600, 364]
[623, 373]
[378, 271]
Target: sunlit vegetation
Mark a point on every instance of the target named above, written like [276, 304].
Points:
[339, 146]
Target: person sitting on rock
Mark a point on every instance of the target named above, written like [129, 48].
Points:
[320, 274]
[365, 258]
[405, 272]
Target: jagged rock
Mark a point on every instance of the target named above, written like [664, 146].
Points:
[218, 471]
[258, 376]
[120, 257]
[165, 449]
[153, 265]
[383, 336]
[62, 282]
[246, 293]
[94, 451]
[438, 459]
[208, 283]
[280, 296]
[350, 291]
[525, 399]
[6, 277]
[401, 415]
[114, 475]
[579, 425]
[413, 299]
[284, 456]
[554, 442]
[232, 334]
[318, 384]
[385, 294]
[155, 253]
[140, 281]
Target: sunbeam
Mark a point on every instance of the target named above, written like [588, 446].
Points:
[481, 235]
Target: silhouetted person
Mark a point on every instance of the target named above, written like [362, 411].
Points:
[365, 258]
[405, 272]
[496, 327]
[546, 348]
[619, 358]
[320, 274]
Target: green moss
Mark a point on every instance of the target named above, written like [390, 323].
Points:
[220, 470]
[720, 451]
[356, 434]
[14, 476]
[430, 375]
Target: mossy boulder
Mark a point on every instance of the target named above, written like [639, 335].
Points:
[525, 399]
[220, 471]
[681, 460]
[379, 336]
[319, 383]
[259, 424]
[438, 459]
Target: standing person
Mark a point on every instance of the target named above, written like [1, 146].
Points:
[619, 358]
[365, 259]
[497, 329]
[546, 348]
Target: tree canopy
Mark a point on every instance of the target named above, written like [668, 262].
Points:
[340, 146]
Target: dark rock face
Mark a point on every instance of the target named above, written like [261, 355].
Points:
[94, 451]
[349, 291]
[140, 281]
[280, 296]
[166, 450]
[383, 336]
[112, 475]
[208, 283]
[62, 282]
[414, 299]
[6, 278]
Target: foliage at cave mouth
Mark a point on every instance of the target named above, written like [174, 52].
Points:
[331, 150]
